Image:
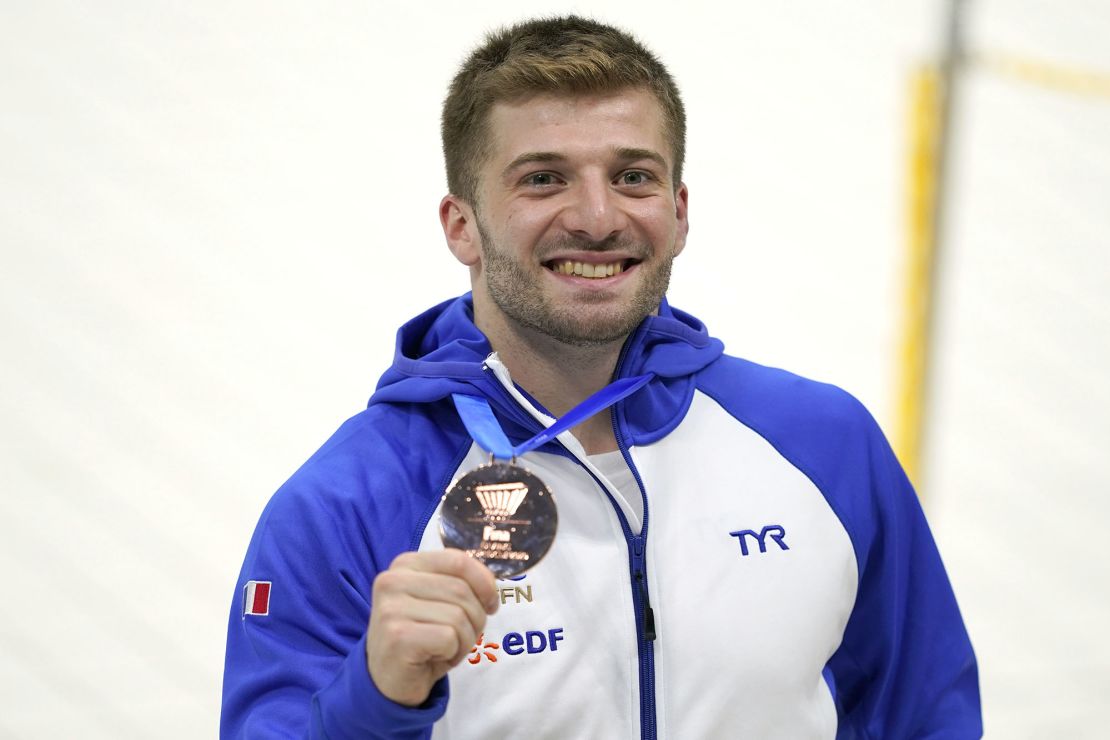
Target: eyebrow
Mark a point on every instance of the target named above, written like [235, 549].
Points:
[531, 157]
[631, 154]
[626, 154]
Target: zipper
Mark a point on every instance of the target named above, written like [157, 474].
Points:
[645, 617]
[641, 602]
[641, 606]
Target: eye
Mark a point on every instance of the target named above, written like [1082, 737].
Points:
[634, 177]
[539, 179]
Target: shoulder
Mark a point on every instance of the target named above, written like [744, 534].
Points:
[376, 480]
[382, 442]
[820, 429]
[782, 405]
[385, 432]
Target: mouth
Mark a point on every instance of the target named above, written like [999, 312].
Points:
[594, 270]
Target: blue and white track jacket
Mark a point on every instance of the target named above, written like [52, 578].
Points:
[784, 583]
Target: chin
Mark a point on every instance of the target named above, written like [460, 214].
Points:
[589, 328]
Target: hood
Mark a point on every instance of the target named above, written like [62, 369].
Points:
[441, 352]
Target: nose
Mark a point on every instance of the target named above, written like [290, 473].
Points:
[594, 211]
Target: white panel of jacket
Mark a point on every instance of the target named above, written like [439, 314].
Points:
[752, 579]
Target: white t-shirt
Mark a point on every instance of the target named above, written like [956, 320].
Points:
[613, 467]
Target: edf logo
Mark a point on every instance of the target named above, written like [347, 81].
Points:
[534, 641]
[775, 531]
[515, 643]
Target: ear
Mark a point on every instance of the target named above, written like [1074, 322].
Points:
[460, 226]
[681, 212]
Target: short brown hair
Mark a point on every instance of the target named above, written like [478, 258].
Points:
[570, 54]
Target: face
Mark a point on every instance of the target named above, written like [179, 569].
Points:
[578, 219]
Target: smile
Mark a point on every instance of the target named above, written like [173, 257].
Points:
[589, 269]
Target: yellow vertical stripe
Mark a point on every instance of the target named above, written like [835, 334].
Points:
[922, 177]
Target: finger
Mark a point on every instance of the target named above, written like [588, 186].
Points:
[440, 613]
[442, 595]
[455, 563]
[423, 643]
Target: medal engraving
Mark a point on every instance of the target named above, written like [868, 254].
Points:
[500, 514]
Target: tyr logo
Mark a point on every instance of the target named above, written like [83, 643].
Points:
[776, 532]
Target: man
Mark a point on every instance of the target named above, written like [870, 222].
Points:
[738, 552]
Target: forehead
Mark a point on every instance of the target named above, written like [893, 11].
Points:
[577, 125]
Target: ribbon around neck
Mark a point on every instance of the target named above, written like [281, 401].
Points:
[482, 425]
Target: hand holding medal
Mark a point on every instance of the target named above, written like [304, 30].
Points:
[503, 514]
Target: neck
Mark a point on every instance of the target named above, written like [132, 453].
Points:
[558, 375]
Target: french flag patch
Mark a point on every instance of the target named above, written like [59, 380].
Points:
[256, 598]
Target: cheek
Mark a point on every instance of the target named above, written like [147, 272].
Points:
[659, 225]
[527, 226]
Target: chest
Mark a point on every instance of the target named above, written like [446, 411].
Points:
[751, 579]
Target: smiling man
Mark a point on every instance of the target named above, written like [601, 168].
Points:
[738, 551]
[569, 236]
[592, 219]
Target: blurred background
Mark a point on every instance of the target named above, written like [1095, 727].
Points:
[213, 217]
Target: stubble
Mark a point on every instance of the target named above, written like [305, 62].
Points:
[519, 293]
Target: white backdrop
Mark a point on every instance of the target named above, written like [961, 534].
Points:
[213, 217]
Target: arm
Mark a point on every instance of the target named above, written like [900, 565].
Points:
[905, 668]
[302, 670]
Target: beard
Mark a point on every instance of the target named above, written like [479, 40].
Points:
[594, 318]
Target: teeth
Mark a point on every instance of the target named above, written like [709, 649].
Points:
[587, 269]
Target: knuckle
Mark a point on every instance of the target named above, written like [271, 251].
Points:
[388, 581]
[456, 561]
[386, 610]
[395, 632]
[458, 589]
[433, 641]
[460, 619]
[402, 561]
[450, 642]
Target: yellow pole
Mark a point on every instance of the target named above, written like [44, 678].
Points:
[933, 101]
[926, 122]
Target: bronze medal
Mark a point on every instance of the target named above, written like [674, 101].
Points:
[501, 514]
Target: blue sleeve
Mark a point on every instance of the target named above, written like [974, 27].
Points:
[300, 669]
[905, 667]
[352, 707]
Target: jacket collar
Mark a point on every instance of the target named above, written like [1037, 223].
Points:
[441, 352]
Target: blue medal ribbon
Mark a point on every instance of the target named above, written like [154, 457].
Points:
[482, 425]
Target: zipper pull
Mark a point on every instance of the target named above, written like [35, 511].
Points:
[649, 615]
[649, 621]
